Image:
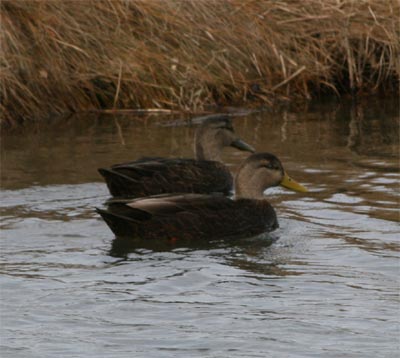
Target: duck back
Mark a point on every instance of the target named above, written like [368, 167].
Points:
[152, 176]
[189, 217]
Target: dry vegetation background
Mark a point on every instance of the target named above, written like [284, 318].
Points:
[66, 56]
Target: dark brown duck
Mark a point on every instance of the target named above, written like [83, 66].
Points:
[205, 174]
[196, 216]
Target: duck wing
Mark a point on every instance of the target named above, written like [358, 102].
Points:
[152, 176]
[189, 216]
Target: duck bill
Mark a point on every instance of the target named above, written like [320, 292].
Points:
[241, 145]
[289, 183]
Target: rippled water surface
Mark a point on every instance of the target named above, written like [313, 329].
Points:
[327, 287]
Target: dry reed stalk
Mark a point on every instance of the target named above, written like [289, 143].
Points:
[68, 56]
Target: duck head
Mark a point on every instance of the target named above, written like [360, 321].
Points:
[259, 172]
[213, 135]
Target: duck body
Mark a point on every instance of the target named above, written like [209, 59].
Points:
[205, 174]
[152, 176]
[201, 216]
[189, 217]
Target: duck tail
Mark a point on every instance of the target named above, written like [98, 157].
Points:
[122, 219]
[121, 226]
[120, 208]
[119, 184]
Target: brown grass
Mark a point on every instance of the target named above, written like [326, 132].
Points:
[65, 56]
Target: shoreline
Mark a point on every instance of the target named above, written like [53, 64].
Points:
[187, 56]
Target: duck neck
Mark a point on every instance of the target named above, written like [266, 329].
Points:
[207, 149]
[249, 187]
[248, 192]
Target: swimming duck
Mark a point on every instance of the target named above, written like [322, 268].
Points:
[200, 216]
[205, 174]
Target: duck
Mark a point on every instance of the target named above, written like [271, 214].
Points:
[204, 174]
[194, 216]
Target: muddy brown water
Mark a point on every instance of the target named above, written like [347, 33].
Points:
[327, 287]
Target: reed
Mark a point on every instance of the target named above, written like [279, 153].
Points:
[59, 57]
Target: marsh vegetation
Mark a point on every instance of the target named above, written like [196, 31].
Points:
[59, 57]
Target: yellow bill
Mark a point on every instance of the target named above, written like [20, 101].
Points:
[289, 183]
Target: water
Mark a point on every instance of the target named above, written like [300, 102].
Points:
[328, 287]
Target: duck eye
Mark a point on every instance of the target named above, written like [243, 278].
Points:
[269, 166]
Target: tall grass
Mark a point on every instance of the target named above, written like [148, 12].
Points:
[65, 56]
